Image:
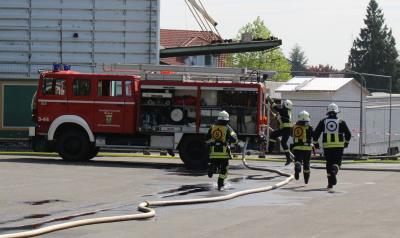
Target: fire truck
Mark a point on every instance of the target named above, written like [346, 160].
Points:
[152, 107]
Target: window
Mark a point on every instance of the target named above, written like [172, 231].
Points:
[209, 60]
[128, 88]
[109, 88]
[81, 87]
[53, 86]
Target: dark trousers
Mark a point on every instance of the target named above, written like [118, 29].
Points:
[220, 166]
[333, 157]
[284, 133]
[303, 157]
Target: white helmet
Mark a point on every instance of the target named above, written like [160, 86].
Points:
[333, 108]
[223, 116]
[304, 116]
[288, 104]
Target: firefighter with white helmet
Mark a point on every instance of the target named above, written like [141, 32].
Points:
[219, 137]
[284, 131]
[336, 137]
[302, 145]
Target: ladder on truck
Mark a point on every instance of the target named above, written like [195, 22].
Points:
[191, 73]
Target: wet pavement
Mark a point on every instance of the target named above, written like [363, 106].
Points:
[42, 191]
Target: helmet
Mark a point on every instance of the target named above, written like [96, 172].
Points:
[223, 116]
[288, 104]
[304, 116]
[333, 108]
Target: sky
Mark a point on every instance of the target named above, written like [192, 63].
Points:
[324, 29]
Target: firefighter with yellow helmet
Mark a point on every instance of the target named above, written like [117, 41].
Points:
[336, 137]
[302, 145]
[219, 137]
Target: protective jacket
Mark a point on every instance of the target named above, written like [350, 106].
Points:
[284, 117]
[302, 136]
[335, 132]
[219, 136]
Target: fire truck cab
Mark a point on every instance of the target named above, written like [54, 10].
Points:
[76, 114]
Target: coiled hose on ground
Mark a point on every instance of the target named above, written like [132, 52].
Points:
[147, 208]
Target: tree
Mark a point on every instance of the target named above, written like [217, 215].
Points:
[273, 60]
[374, 51]
[298, 60]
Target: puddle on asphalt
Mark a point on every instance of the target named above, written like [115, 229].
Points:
[187, 189]
[252, 177]
[41, 224]
[41, 202]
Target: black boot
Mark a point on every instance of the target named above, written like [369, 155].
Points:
[220, 184]
[297, 170]
[330, 186]
[306, 176]
[335, 170]
[210, 170]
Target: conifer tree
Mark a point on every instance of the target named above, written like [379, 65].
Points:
[374, 51]
[298, 60]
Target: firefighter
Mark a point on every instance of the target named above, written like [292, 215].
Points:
[219, 137]
[302, 145]
[285, 126]
[336, 137]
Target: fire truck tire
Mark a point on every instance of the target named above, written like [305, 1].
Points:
[93, 151]
[194, 152]
[74, 145]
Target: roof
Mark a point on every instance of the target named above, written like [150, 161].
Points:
[380, 95]
[182, 38]
[314, 84]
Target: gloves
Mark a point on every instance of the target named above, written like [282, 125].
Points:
[316, 145]
[346, 144]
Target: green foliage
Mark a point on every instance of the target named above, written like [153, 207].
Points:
[374, 51]
[273, 60]
[298, 59]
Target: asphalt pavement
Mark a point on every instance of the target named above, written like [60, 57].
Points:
[42, 191]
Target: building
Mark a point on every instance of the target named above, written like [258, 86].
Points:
[84, 33]
[366, 115]
[187, 38]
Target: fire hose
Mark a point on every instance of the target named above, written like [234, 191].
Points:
[147, 207]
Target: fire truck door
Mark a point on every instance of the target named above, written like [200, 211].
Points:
[80, 100]
[109, 107]
[52, 101]
[130, 108]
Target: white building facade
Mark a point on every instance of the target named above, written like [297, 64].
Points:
[366, 116]
[34, 34]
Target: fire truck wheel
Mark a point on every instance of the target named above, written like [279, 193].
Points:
[193, 152]
[74, 145]
[93, 151]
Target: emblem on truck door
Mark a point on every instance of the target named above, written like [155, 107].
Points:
[108, 116]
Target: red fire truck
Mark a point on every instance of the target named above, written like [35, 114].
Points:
[157, 107]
